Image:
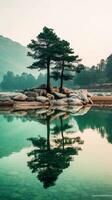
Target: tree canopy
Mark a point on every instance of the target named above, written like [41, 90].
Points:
[66, 63]
[49, 51]
[44, 51]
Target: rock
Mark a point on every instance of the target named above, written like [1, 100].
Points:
[59, 102]
[74, 109]
[42, 99]
[74, 95]
[10, 94]
[40, 92]
[7, 103]
[74, 101]
[20, 97]
[50, 112]
[41, 111]
[5, 98]
[89, 94]
[55, 89]
[86, 93]
[83, 96]
[67, 90]
[31, 98]
[30, 94]
[50, 96]
[59, 95]
[82, 111]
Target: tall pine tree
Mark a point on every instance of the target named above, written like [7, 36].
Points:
[44, 51]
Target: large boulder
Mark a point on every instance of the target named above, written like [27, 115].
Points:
[82, 95]
[20, 97]
[42, 99]
[12, 95]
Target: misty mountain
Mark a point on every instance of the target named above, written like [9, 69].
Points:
[13, 57]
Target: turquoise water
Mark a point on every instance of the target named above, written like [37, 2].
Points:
[56, 158]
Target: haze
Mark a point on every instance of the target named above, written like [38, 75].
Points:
[86, 24]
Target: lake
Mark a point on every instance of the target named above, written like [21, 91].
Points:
[56, 156]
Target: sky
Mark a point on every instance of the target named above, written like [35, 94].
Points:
[86, 24]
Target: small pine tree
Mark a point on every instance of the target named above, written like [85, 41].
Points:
[64, 64]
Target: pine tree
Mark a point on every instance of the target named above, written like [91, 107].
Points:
[44, 51]
[66, 64]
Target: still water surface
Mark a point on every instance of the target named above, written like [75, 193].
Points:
[56, 158]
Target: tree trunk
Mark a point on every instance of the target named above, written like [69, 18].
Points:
[62, 73]
[48, 133]
[48, 76]
[61, 120]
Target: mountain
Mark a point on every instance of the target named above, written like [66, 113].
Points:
[13, 57]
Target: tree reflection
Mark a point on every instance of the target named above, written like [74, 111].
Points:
[53, 154]
[97, 119]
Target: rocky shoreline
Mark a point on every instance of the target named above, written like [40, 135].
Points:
[36, 98]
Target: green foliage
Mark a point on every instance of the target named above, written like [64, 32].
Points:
[23, 81]
[49, 51]
[100, 74]
[109, 67]
[44, 51]
[65, 63]
[51, 156]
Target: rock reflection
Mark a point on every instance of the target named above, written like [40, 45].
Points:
[54, 153]
[13, 140]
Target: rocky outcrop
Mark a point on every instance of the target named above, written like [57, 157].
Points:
[39, 97]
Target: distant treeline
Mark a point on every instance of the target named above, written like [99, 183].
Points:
[20, 82]
[16, 82]
[102, 73]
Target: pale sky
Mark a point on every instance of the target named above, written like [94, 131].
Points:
[86, 24]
